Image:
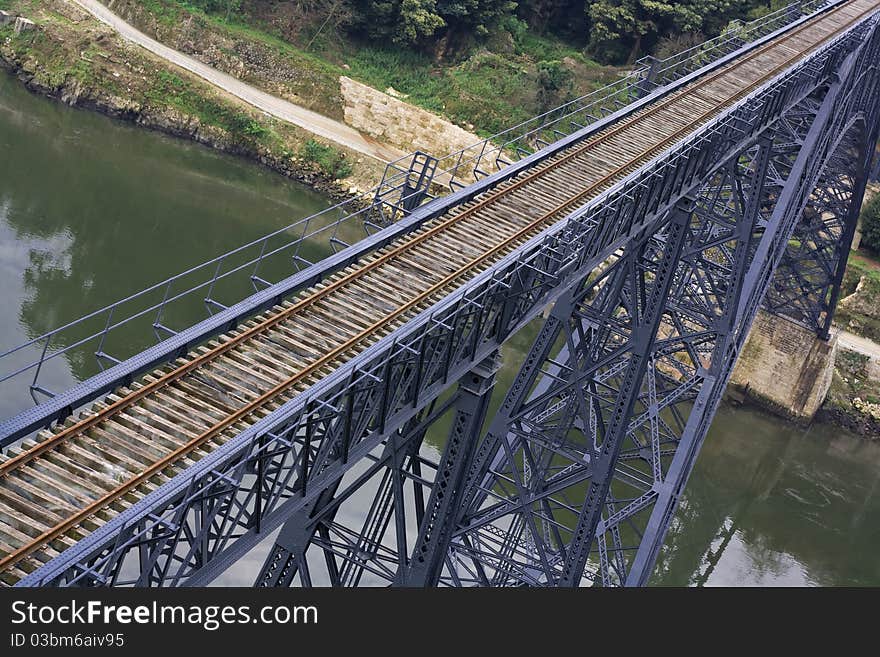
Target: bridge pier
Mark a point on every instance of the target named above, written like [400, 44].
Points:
[787, 363]
[785, 367]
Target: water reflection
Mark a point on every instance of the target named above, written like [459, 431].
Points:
[772, 504]
[92, 210]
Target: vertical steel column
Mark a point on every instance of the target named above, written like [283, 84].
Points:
[435, 532]
[647, 83]
[489, 450]
[869, 133]
[808, 281]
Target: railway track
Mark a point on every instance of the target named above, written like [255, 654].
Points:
[65, 483]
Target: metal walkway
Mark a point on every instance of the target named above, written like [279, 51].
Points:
[654, 232]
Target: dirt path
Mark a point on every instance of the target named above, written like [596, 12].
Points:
[859, 344]
[282, 109]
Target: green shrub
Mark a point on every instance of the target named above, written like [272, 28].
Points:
[331, 161]
[241, 123]
[555, 84]
[870, 221]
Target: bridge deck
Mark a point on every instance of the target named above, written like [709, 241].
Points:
[62, 485]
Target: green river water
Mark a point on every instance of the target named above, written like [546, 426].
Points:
[92, 210]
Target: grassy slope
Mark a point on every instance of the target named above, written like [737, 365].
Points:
[317, 86]
[490, 91]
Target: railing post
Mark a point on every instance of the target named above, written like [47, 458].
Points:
[34, 386]
[646, 83]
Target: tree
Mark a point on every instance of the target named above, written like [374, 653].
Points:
[418, 20]
[474, 17]
[426, 22]
[404, 22]
[620, 26]
[621, 30]
[870, 222]
[555, 16]
[539, 13]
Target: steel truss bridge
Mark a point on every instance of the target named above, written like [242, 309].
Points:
[642, 227]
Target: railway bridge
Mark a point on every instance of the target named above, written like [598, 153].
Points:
[640, 228]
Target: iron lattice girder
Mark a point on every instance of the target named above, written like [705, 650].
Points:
[572, 404]
[196, 525]
[568, 406]
[807, 283]
[397, 464]
[348, 545]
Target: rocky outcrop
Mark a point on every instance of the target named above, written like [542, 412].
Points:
[859, 312]
[863, 300]
[23, 24]
[861, 425]
[854, 398]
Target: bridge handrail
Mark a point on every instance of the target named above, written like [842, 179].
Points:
[377, 206]
[737, 35]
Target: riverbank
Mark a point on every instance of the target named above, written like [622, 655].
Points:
[853, 399]
[71, 57]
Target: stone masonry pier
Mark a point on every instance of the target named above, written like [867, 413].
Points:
[784, 367]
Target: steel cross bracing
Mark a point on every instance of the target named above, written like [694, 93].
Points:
[407, 182]
[807, 283]
[653, 285]
[588, 516]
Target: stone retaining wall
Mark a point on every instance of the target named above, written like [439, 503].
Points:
[398, 123]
